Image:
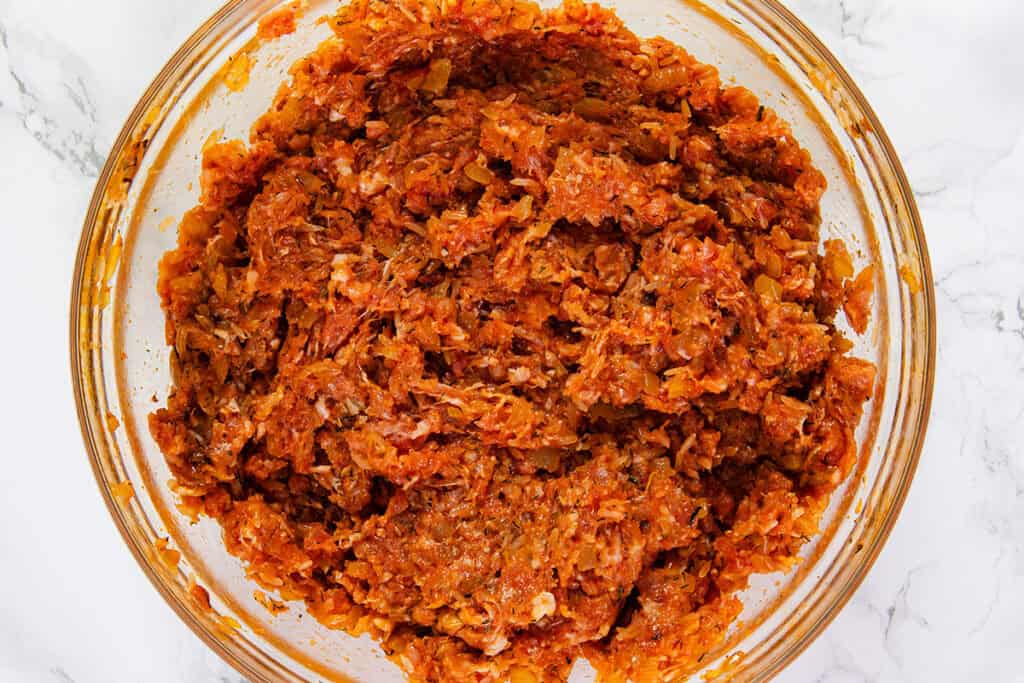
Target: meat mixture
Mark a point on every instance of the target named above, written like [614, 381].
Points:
[509, 339]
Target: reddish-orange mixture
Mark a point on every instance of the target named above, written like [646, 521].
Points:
[509, 340]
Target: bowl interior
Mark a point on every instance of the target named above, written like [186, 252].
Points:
[121, 360]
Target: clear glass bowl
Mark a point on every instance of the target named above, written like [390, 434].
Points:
[119, 359]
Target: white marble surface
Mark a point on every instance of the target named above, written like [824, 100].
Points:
[945, 601]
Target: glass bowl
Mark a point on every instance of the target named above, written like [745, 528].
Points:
[119, 359]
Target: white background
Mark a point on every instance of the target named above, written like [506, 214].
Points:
[945, 601]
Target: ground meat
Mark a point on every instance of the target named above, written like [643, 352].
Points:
[508, 339]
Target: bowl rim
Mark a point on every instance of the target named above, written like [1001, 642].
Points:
[778, 12]
[927, 286]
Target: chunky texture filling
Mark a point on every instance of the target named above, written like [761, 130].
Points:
[508, 339]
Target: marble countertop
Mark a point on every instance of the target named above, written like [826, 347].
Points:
[944, 602]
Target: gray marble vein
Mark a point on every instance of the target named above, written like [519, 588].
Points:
[44, 88]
